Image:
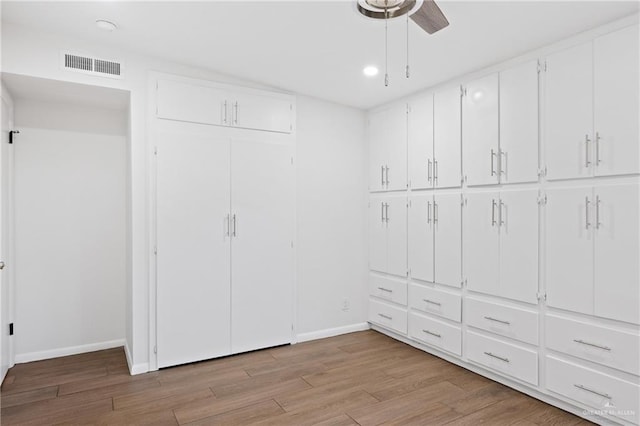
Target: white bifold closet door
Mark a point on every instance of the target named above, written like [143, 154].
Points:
[262, 225]
[193, 274]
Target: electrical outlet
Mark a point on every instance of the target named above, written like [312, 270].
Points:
[345, 304]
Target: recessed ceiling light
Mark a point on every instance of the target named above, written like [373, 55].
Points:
[370, 71]
[106, 25]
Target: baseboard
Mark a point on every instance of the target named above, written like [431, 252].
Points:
[330, 332]
[70, 350]
[135, 369]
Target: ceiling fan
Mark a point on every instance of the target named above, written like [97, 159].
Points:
[425, 13]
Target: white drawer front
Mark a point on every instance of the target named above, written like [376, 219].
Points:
[436, 302]
[598, 344]
[503, 357]
[515, 323]
[435, 333]
[388, 316]
[390, 289]
[601, 391]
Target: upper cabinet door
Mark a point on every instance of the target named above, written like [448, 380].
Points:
[191, 103]
[617, 272]
[377, 134]
[421, 227]
[261, 112]
[420, 137]
[377, 235]
[616, 84]
[519, 123]
[447, 138]
[480, 131]
[396, 141]
[396, 219]
[447, 218]
[569, 113]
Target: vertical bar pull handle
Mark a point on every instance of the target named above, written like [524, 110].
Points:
[500, 217]
[382, 212]
[493, 212]
[224, 106]
[435, 212]
[598, 161]
[598, 212]
[587, 161]
[234, 226]
[228, 226]
[493, 155]
[586, 212]
[502, 163]
[235, 119]
[428, 211]
[386, 170]
[382, 176]
[429, 170]
[435, 172]
[386, 212]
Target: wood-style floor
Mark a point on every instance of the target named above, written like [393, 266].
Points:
[360, 378]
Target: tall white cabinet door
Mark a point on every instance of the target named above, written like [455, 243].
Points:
[421, 227]
[377, 133]
[377, 235]
[616, 99]
[481, 242]
[420, 135]
[447, 138]
[262, 229]
[397, 236]
[396, 141]
[569, 113]
[569, 249]
[448, 239]
[519, 245]
[519, 123]
[617, 271]
[480, 155]
[192, 103]
[193, 274]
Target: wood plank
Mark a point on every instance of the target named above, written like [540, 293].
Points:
[27, 397]
[250, 414]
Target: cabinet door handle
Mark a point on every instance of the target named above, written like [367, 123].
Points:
[382, 212]
[598, 161]
[586, 212]
[228, 226]
[428, 211]
[503, 155]
[235, 119]
[435, 212]
[382, 176]
[429, 170]
[493, 155]
[598, 212]
[386, 290]
[497, 357]
[584, 388]
[386, 212]
[493, 212]
[497, 320]
[587, 161]
[386, 169]
[582, 342]
[435, 172]
[500, 218]
[432, 333]
[224, 120]
[385, 316]
[432, 302]
[234, 226]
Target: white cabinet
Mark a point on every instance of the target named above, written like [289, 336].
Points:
[435, 227]
[388, 149]
[595, 80]
[501, 244]
[222, 105]
[592, 250]
[388, 234]
[420, 139]
[435, 333]
[388, 288]
[480, 131]
[519, 123]
[447, 138]
[388, 316]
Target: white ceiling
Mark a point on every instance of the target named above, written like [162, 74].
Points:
[319, 48]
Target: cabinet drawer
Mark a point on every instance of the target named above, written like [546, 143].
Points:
[508, 321]
[388, 316]
[598, 344]
[601, 391]
[435, 333]
[388, 288]
[512, 360]
[436, 302]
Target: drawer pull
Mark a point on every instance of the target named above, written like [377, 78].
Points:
[497, 320]
[497, 357]
[582, 342]
[385, 316]
[584, 388]
[432, 333]
[432, 302]
[385, 289]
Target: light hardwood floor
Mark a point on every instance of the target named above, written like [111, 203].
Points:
[360, 378]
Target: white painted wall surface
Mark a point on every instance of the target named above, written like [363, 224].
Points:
[331, 204]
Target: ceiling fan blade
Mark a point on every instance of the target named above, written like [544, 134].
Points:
[429, 17]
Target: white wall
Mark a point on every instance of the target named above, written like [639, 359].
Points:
[331, 204]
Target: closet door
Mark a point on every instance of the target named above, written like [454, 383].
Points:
[446, 138]
[519, 245]
[377, 134]
[420, 137]
[193, 270]
[569, 113]
[448, 239]
[262, 229]
[569, 251]
[421, 228]
[616, 83]
[617, 273]
[519, 123]
[396, 218]
[481, 242]
[480, 131]
[377, 234]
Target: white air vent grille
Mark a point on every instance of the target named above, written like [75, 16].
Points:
[90, 65]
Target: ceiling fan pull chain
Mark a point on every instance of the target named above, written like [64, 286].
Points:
[407, 68]
[386, 46]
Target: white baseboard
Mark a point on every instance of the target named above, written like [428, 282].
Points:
[134, 369]
[70, 350]
[330, 332]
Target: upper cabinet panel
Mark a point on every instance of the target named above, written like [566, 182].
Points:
[261, 112]
[446, 138]
[388, 149]
[190, 102]
[480, 131]
[616, 85]
[420, 137]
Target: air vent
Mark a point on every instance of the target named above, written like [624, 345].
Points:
[89, 65]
